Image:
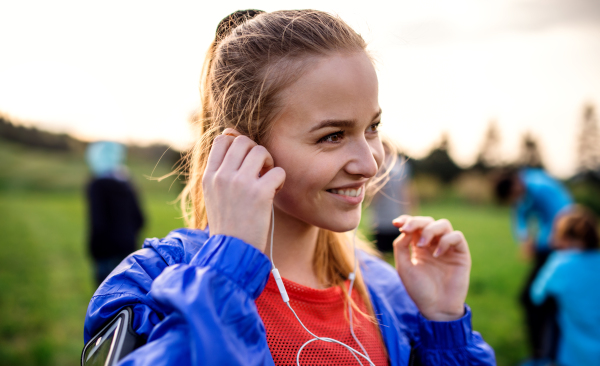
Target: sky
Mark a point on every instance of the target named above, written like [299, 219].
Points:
[129, 70]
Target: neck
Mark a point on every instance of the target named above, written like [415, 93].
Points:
[294, 244]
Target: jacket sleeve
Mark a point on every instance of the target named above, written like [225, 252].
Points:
[545, 282]
[205, 309]
[520, 219]
[406, 332]
[452, 343]
[128, 285]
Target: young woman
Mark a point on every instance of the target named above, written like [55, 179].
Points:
[569, 277]
[288, 151]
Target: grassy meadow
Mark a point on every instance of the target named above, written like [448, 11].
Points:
[46, 275]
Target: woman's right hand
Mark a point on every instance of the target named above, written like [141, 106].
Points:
[239, 184]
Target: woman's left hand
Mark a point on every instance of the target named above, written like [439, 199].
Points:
[434, 263]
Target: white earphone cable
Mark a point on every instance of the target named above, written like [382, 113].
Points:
[286, 300]
[272, 232]
[352, 278]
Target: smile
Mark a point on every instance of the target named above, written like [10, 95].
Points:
[347, 192]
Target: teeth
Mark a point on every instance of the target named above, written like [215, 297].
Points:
[347, 192]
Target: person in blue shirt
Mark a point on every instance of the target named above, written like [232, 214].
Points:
[537, 200]
[289, 148]
[571, 276]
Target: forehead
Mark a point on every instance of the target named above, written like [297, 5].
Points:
[335, 87]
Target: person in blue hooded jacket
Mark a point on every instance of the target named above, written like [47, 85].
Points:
[537, 201]
[266, 273]
[569, 276]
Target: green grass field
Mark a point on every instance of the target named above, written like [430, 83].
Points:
[46, 276]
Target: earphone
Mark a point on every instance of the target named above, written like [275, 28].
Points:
[286, 300]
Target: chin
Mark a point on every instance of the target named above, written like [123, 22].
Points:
[341, 223]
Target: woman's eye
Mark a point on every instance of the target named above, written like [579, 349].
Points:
[333, 138]
[374, 127]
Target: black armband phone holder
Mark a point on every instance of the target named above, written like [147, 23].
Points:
[116, 340]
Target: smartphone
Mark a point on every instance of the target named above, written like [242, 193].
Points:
[113, 342]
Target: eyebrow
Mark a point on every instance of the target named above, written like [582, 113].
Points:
[340, 123]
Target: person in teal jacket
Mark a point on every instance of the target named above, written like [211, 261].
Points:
[537, 200]
[289, 148]
[542, 199]
[570, 276]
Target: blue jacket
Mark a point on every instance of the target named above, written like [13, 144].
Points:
[570, 277]
[193, 298]
[544, 200]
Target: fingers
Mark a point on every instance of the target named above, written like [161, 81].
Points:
[274, 179]
[432, 230]
[217, 153]
[231, 132]
[401, 220]
[455, 240]
[416, 223]
[240, 147]
[257, 162]
[410, 227]
[219, 149]
[231, 150]
[403, 241]
[402, 253]
[438, 235]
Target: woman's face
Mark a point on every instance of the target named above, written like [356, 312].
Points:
[327, 142]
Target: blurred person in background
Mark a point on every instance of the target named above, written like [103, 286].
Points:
[571, 276]
[396, 198]
[115, 217]
[537, 200]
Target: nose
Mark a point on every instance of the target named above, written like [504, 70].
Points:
[364, 158]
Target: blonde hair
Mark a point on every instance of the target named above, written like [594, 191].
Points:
[254, 56]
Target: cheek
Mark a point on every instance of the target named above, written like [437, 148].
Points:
[301, 192]
[296, 170]
[378, 152]
[304, 177]
[307, 175]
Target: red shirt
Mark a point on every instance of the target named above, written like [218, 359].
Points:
[324, 313]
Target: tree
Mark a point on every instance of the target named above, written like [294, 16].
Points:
[489, 154]
[530, 154]
[439, 163]
[589, 141]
